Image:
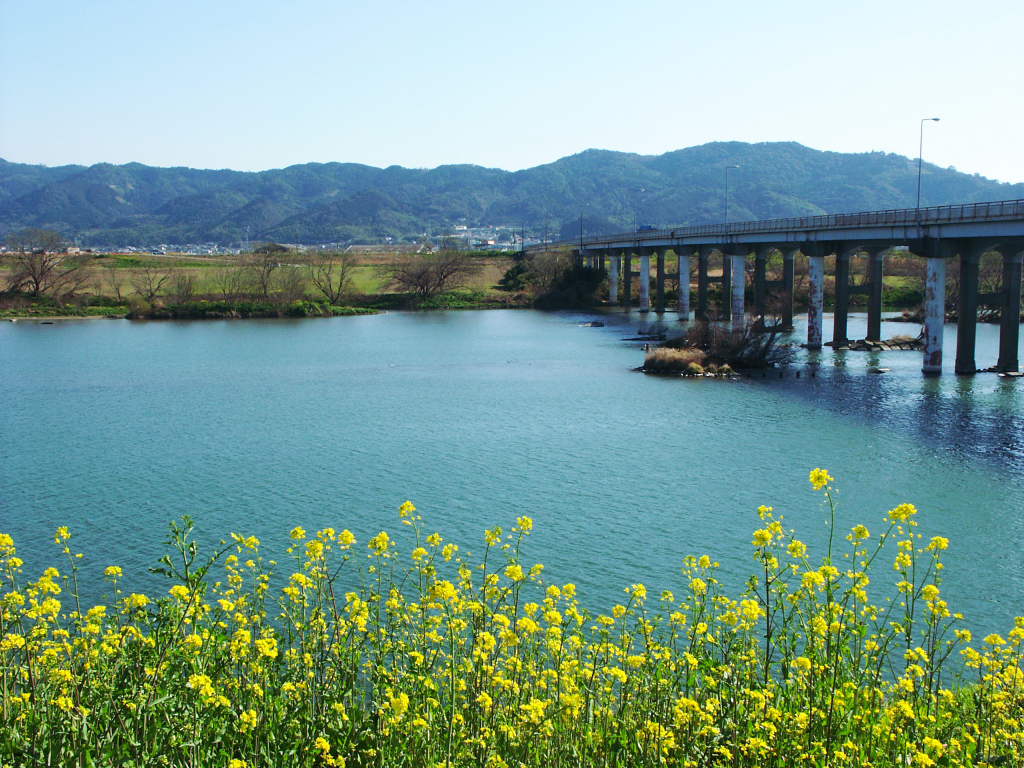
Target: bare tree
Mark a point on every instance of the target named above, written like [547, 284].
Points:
[229, 282]
[183, 286]
[290, 284]
[545, 269]
[426, 276]
[331, 273]
[261, 265]
[149, 281]
[42, 265]
[115, 278]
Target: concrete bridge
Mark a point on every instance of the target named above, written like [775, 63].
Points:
[935, 234]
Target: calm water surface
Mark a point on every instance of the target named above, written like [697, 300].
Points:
[117, 427]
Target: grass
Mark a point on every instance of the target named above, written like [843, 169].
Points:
[369, 288]
[410, 650]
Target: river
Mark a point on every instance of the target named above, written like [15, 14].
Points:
[116, 427]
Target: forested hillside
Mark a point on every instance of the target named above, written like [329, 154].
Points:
[346, 202]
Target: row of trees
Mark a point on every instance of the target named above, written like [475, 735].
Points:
[41, 266]
[269, 274]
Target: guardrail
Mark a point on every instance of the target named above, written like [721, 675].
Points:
[938, 214]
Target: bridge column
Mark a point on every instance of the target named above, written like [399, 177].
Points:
[842, 308]
[788, 279]
[761, 281]
[684, 283]
[613, 279]
[967, 303]
[1009, 331]
[725, 304]
[737, 260]
[702, 284]
[659, 285]
[645, 279]
[816, 303]
[934, 309]
[876, 261]
[627, 278]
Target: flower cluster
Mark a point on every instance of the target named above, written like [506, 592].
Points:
[351, 655]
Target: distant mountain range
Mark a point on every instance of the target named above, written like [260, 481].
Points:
[137, 204]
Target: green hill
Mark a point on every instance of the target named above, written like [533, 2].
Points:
[137, 204]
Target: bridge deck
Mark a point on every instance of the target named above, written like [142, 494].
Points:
[998, 220]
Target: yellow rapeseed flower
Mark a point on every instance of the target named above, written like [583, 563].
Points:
[247, 720]
[820, 478]
[380, 543]
[443, 590]
[135, 600]
[902, 513]
[267, 646]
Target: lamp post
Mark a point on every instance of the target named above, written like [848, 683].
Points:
[726, 206]
[920, 154]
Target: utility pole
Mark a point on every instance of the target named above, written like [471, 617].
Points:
[920, 154]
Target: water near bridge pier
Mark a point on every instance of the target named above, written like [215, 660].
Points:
[114, 428]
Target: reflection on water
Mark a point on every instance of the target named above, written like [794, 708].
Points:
[977, 417]
[116, 428]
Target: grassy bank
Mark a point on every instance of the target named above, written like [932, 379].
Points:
[178, 286]
[411, 651]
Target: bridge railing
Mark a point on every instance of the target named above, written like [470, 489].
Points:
[937, 214]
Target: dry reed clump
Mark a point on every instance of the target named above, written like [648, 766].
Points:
[669, 360]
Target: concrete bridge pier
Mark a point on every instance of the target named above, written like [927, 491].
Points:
[684, 283]
[736, 258]
[934, 304]
[841, 314]
[816, 302]
[702, 284]
[788, 279]
[876, 261]
[967, 304]
[1009, 331]
[724, 303]
[645, 279]
[627, 278]
[613, 279]
[659, 284]
[761, 281]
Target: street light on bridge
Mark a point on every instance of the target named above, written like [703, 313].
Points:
[726, 212]
[920, 154]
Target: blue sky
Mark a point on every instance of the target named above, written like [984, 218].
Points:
[266, 84]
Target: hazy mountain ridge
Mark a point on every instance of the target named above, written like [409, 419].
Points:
[107, 204]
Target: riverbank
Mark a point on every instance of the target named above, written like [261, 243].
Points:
[215, 309]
